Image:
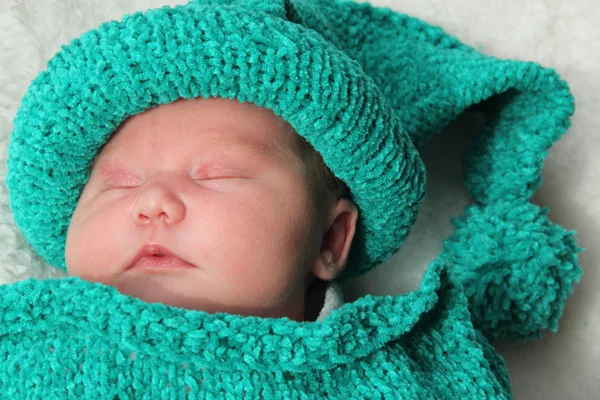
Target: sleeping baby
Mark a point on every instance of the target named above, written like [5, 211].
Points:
[216, 205]
[207, 174]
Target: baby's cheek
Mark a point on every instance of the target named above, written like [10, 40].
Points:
[89, 249]
[253, 272]
[73, 246]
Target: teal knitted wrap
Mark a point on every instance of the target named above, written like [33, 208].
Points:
[92, 342]
[367, 87]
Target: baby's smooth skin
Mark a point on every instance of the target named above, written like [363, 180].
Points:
[215, 182]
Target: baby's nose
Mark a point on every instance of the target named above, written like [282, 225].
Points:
[158, 201]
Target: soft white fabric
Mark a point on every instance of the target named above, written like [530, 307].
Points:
[334, 298]
[559, 34]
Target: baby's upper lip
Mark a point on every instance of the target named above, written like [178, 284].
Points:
[151, 249]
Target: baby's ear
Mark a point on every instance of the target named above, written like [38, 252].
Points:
[335, 246]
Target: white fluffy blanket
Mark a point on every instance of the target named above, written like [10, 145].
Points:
[560, 34]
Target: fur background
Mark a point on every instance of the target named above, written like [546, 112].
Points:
[564, 35]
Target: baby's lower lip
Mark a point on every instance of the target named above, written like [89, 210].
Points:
[162, 262]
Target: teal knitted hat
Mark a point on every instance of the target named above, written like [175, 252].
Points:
[254, 51]
[366, 87]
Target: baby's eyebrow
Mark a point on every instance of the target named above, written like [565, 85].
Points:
[252, 145]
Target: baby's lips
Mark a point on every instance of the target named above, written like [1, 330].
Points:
[163, 262]
[151, 252]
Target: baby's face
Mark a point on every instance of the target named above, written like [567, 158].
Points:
[213, 181]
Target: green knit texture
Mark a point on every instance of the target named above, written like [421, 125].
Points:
[517, 268]
[91, 342]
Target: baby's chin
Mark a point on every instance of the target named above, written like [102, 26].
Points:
[186, 293]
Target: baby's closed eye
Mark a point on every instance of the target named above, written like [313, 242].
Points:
[219, 173]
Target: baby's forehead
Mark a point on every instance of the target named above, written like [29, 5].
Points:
[271, 136]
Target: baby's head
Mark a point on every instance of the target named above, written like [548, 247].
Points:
[230, 188]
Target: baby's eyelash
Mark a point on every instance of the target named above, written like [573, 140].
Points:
[208, 177]
[220, 174]
[108, 185]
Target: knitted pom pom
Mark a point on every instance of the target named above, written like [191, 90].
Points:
[516, 266]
